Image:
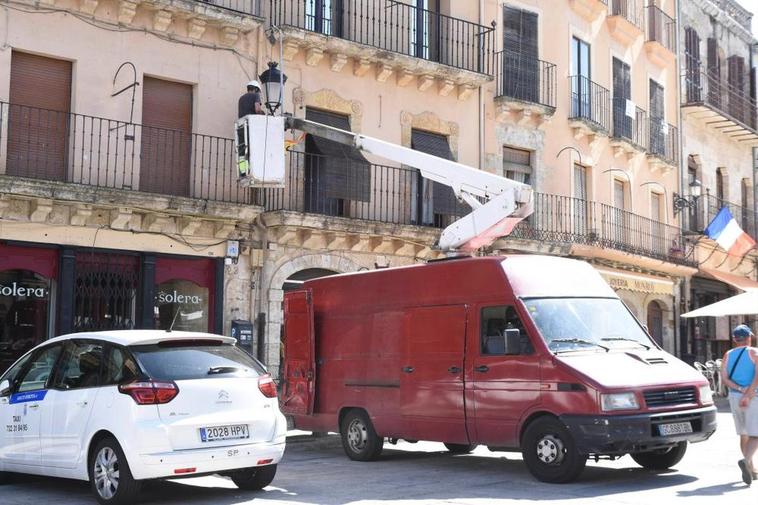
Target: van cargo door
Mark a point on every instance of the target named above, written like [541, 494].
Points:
[299, 354]
[431, 383]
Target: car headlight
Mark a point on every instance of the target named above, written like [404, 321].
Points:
[619, 401]
[706, 395]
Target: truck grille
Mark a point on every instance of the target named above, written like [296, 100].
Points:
[660, 398]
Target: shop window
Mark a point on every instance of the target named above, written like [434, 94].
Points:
[105, 293]
[181, 305]
[25, 308]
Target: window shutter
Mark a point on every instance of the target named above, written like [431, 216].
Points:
[343, 172]
[443, 198]
[517, 164]
[692, 62]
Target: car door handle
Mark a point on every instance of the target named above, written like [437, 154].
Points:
[482, 368]
[454, 369]
[408, 369]
[82, 403]
[34, 406]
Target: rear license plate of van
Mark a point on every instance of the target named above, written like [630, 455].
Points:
[675, 428]
[231, 432]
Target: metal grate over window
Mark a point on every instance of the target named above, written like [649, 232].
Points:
[105, 291]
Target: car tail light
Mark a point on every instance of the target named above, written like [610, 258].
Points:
[265, 461]
[150, 392]
[267, 386]
[180, 471]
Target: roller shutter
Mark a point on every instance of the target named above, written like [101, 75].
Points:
[443, 198]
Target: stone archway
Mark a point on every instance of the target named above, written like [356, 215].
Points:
[289, 269]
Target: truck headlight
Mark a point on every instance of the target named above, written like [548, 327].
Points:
[706, 395]
[619, 401]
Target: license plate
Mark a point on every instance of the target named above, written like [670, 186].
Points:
[675, 428]
[232, 432]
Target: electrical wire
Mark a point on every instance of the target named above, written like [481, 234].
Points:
[114, 27]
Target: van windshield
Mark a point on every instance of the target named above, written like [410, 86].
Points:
[573, 324]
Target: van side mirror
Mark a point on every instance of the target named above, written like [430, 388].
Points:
[512, 341]
[644, 327]
[5, 388]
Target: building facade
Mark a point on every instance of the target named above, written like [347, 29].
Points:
[119, 203]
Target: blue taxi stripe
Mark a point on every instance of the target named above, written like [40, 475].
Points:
[31, 396]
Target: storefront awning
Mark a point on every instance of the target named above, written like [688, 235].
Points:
[743, 304]
[736, 281]
[637, 282]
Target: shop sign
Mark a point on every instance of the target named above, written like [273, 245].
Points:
[175, 297]
[638, 284]
[19, 290]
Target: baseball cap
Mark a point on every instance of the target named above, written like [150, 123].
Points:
[742, 331]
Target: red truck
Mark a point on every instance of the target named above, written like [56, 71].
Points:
[520, 353]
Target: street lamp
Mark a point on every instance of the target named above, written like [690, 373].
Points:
[681, 202]
[273, 83]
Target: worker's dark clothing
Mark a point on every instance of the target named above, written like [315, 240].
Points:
[247, 103]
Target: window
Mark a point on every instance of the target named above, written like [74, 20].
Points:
[494, 322]
[581, 79]
[324, 16]
[81, 366]
[517, 164]
[203, 360]
[656, 206]
[181, 305]
[520, 55]
[39, 371]
[658, 125]
[120, 367]
[624, 112]
[619, 194]
[424, 43]
[25, 308]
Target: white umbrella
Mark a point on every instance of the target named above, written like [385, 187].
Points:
[743, 304]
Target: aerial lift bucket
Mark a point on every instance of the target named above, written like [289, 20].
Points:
[259, 147]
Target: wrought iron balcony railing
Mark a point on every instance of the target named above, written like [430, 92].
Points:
[340, 187]
[521, 77]
[629, 10]
[93, 151]
[590, 102]
[663, 140]
[661, 27]
[703, 88]
[629, 123]
[394, 26]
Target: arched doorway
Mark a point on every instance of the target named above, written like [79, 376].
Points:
[655, 322]
[296, 280]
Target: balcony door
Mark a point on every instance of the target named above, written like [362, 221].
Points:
[692, 64]
[166, 137]
[619, 220]
[657, 230]
[658, 126]
[714, 73]
[738, 103]
[324, 16]
[623, 117]
[581, 78]
[425, 29]
[581, 212]
[521, 77]
[38, 117]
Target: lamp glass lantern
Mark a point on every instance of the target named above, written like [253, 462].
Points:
[696, 188]
[273, 81]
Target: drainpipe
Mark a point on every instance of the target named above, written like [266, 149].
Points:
[679, 330]
[481, 96]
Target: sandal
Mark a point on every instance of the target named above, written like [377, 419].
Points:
[747, 475]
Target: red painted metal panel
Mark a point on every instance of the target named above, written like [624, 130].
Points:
[299, 354]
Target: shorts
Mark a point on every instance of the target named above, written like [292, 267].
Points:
[745, 419]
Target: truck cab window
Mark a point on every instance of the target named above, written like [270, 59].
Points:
[494, 322]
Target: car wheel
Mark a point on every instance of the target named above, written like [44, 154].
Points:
[5, 478]
[254, 479]
[110, 477]
[661, 459]
[460, 448]
[550, 453]
[359, 439]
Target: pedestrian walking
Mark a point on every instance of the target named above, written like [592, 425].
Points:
[738, 373]
[250, 102]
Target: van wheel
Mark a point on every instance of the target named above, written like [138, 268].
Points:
[460, 448]
[254, 479]
[550, 453]
[662, 458]
[109, 475]
[359, 439]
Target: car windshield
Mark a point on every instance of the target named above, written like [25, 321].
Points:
[196, 360]
[573, 324]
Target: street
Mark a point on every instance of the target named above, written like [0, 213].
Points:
[316, 471]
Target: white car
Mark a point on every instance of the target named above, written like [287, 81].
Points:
[121, 407]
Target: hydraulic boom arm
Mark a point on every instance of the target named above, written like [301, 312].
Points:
[498, 203]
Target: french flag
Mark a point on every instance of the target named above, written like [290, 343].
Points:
[728, 234]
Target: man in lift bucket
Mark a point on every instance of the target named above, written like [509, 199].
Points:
[738, 373]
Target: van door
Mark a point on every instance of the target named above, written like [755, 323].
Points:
[299, 354]
[504, 387]
[431, 382]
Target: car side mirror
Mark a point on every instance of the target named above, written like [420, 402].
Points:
[5, 388]
[512, 341]
[644, 327]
